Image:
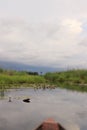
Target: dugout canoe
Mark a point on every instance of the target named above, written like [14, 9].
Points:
[50, 124]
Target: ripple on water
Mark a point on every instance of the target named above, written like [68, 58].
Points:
[66, 107]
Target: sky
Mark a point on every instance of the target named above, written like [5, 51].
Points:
[50, 33]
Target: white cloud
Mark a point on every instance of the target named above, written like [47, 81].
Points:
[45, 33]
[73, 26]
[44, 44]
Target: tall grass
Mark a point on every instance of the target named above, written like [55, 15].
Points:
[72, 79]
[12, 79]
[6, 80]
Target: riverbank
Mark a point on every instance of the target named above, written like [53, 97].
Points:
[72, 79]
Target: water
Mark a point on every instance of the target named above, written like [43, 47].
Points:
[66, 107]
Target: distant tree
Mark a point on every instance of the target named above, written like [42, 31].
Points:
[32, 73]
[35, 73]
[1, 70]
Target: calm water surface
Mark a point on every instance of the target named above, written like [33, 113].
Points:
[66, 107]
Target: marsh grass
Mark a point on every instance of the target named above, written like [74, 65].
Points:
[21, 79]
[72, 79]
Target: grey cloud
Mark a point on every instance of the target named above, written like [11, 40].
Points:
[47, 10]
[44, 44]
[83, 42]
[37, 32]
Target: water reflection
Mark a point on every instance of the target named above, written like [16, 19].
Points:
[2, 93]
[66, 107]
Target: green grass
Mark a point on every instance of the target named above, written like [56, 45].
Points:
[6, 80]
[15, 79]
[72, 79]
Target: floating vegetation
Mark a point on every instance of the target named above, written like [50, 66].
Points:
[72, 79]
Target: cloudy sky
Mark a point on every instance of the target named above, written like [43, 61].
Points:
[44, 32]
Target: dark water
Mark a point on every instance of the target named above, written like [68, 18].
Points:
[66, 107]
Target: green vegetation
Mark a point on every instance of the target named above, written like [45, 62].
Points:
[72, 79]
[16, 79]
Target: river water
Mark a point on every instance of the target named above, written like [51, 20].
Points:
[66, 107]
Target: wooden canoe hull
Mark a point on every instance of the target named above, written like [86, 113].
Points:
[50, 124]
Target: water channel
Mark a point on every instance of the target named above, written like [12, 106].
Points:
[64, 106]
